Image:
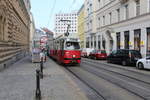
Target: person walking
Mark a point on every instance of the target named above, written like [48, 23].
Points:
[42, 56]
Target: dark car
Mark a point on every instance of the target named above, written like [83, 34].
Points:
[98, 54]
[124, 56]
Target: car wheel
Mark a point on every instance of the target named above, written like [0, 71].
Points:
[95, 58]
[124, 63]
[140, 65]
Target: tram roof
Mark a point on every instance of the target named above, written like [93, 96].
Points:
[68, 39]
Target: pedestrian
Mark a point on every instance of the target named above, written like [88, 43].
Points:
[42, 56]
[45, 53]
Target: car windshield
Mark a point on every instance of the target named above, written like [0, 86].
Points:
[72, 46]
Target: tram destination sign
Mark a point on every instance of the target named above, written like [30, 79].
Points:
[73, 39]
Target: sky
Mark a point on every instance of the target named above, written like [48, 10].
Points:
[44, 10]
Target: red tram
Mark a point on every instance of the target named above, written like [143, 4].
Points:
[65, 50]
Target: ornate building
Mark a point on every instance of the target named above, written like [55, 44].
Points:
[120, 24]
[14, 30]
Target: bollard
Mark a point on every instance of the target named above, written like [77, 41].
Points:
[41, 67]
[38, 91]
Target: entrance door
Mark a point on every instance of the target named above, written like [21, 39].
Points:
[148, 41]
[118, 40]
[137, 39]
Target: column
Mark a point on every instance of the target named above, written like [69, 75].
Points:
[143, 42]
[122, 40]
[131, 39]
[90, 41]
[114, 41]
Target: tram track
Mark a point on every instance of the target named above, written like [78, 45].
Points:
[97, 93]
[125, 72]
[107, 95]
[137, 87]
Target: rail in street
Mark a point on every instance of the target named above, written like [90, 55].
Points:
[112, 83]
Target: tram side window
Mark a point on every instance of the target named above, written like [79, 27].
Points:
[72, 45]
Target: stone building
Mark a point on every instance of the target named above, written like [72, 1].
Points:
[32, 31]
[120, 24]
[14, 31]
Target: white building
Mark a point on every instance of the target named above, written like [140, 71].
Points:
[61, 26]
[120, 24]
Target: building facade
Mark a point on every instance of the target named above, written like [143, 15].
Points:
[14, 30]
[81, 26]
[122, 24]
[90, 23]
[32, 31]
[61, 26]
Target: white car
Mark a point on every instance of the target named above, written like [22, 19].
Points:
[143, 63]
[86, 52]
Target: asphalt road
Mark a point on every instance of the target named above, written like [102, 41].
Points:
[111, 81]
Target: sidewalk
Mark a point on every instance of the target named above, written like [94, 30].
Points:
[18, 82]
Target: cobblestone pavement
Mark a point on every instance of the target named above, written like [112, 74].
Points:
[18, 82]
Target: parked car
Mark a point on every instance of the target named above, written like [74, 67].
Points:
[86, 52]
[98, 54]
[143, 63]
[124, 56]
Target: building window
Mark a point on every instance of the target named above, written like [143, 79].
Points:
[94, 41]
[137, 39]
[103, 42]
[88, 11]
[90, 8]
[148, 41]
[103, 20]
[110, 17]
[99, 42]
[87, 26]
[99, 1]
[99, 22]
[118, 14]
[127, 11]
[118, 40]
[137, 7]
[91, 42]
[126, 37]
[87, 42]
[91, 24]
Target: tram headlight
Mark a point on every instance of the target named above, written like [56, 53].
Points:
[73, 56]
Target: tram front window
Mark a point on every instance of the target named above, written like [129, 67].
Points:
[72, 46]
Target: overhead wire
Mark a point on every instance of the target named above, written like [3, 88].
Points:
[52, 9]
[72, 4]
